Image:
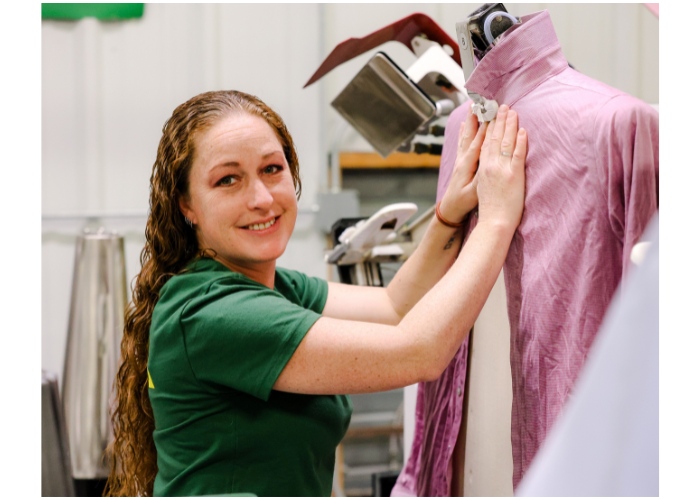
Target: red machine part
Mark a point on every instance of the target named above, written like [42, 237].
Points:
[402, 31]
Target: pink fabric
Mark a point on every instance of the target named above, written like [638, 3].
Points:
[653, 7]
[591, 187]
[428, 471]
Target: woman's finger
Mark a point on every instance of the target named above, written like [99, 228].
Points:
[472, 126]
[485, 146]
[487, 138]
[498, 131]
[508, 143]
[520, 152]
[467, 132]
[476, 144]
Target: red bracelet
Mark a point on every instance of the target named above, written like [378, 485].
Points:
[440, 218]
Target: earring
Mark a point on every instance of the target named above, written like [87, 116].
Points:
[188, 222]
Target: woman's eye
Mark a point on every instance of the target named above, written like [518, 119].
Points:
[272, 169]
[226, 181]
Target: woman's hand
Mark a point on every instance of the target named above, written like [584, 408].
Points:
[501, 187]
[461, 195]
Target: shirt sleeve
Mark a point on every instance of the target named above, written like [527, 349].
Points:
[307, 291]
[627, 153]
[242, 336]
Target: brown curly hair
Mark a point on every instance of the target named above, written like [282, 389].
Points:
[170, 245]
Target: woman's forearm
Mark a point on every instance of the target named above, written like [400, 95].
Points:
[425, 267]
[440, 321]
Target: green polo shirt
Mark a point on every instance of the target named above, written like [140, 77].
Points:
[218, 342]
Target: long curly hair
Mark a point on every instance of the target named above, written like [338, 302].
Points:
[170, 245]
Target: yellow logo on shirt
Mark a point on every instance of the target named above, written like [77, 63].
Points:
[150, 380]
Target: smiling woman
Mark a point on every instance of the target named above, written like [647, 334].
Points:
[235, 372]
[241, 195]
[171, 243]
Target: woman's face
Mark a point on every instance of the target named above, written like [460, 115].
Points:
[241, 193]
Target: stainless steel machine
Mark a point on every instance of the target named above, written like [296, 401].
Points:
[96, 323]
[391, 108]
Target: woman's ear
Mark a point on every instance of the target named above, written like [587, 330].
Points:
[186, 210]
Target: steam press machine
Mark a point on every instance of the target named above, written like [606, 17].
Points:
[391, 108]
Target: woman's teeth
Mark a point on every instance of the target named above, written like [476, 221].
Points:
[258, 227]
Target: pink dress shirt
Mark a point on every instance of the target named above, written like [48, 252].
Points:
[592, 175]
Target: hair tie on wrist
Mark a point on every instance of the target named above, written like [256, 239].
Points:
[441, 219]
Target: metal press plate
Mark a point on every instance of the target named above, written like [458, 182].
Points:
[384, 105]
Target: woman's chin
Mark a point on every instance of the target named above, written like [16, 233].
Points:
[263, 254]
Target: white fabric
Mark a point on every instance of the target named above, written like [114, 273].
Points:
[485, 112]
[606, 442]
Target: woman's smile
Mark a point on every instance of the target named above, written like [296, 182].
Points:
[263, 227]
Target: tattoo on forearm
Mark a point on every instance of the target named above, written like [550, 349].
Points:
[452, 240]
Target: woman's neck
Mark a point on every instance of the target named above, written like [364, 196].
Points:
[263, 273]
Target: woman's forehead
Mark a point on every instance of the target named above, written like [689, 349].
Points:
[239, 133]
[241, 125]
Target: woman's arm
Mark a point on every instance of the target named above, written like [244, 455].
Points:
[343, 356]
[433, 257]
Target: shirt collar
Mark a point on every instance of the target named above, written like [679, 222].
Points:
[206, 264]
[528, 55]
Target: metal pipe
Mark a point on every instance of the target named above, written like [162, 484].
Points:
[340, 130]
[94, 215]
[127, 215]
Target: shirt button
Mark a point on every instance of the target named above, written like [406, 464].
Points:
[459, 391]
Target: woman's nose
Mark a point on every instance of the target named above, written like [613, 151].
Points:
[259, 196]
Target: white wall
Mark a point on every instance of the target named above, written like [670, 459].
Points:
[107, 89]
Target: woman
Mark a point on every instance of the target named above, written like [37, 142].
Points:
[232, 367]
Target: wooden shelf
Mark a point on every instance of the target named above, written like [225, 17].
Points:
[373, 431]
[394, 160]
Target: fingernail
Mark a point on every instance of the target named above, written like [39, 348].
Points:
[521, 131]
[503, 108]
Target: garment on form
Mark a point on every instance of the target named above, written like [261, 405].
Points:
[592, 173]
[606, 442]
[653, 8]
[218, 343]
